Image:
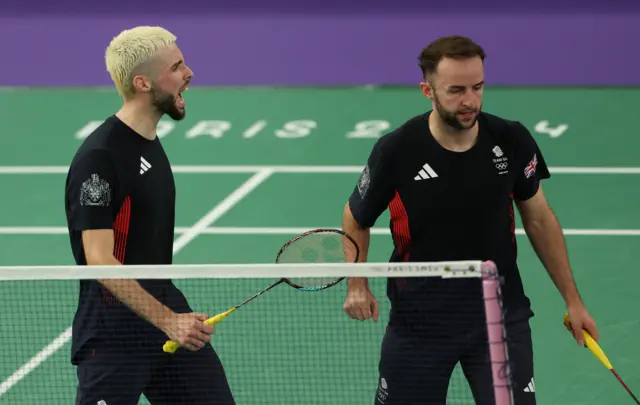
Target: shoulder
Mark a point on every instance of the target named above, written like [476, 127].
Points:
[92, 155]
[506, 132]
[402, 137]
[112, 135]
[107, 143]
[99, 152]
[503, 127]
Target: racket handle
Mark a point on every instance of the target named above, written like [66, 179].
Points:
[215, 319]
[170, 346]
[591, 344]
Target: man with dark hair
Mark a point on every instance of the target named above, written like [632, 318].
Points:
[450, 178]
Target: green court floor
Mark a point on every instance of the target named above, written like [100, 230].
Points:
[309, 146]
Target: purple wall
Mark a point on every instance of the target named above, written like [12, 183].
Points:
[326, 42]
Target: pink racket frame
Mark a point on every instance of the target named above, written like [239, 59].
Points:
[496, 334]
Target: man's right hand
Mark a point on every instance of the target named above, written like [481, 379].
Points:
[361, 304]
[189, 330]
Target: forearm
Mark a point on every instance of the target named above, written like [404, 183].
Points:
[131, 293]
[548, 242]
[362, 237]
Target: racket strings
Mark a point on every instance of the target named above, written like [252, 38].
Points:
[318, 246]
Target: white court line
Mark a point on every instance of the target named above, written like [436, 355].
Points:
[385, 231]
[190, 169]
[185, 238]
[35, 361]
[222, 208]
[60, 230]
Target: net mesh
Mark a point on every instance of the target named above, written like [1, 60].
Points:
[285, 347]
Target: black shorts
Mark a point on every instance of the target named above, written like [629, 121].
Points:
[418, 371]
[120, 377]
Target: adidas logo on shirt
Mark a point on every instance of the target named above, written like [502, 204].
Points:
[426, 173]
[144, 165]
[531, 387]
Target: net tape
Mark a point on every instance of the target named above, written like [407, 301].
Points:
[452, 269]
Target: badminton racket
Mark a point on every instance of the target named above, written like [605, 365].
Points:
[314, 246]
[597, 351]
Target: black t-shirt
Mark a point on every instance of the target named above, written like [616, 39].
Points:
[121, 181]
[448, 206]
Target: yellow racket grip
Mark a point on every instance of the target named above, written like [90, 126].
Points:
[170, 346]
[596, 350]
[215, 319]
[592, 345]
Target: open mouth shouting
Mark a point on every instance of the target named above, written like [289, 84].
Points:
[180, 99]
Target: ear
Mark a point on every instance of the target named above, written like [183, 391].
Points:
[426, 90]
[142, 84]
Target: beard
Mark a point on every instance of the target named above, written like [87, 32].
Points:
[165, 103]
[451, 117]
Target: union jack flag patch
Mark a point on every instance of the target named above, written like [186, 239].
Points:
[530, 169]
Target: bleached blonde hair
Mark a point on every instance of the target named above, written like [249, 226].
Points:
[132, 48]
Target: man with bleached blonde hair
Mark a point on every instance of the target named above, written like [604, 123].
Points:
[120, 207]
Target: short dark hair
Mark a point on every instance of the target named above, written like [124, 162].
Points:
[454, 46]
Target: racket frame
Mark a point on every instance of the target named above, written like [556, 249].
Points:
[307, 233]
[171, 346]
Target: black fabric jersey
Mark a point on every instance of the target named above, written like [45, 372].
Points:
[121, 181]
[447, 206]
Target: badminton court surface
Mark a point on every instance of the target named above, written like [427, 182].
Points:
[256, 166]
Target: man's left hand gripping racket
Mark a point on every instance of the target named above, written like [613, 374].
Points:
[315, 246]
[594, 347]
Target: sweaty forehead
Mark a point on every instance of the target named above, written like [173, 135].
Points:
[460, 72]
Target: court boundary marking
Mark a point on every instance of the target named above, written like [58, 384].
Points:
[300, 169]
[266, 230]
[187, 236]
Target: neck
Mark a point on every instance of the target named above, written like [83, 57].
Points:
[140, 117]
[450, 138]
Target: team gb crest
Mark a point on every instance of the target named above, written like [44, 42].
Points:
[95, 192]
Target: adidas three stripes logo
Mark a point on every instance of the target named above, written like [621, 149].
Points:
[426, 173]
[531, 387]
[144, 165]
